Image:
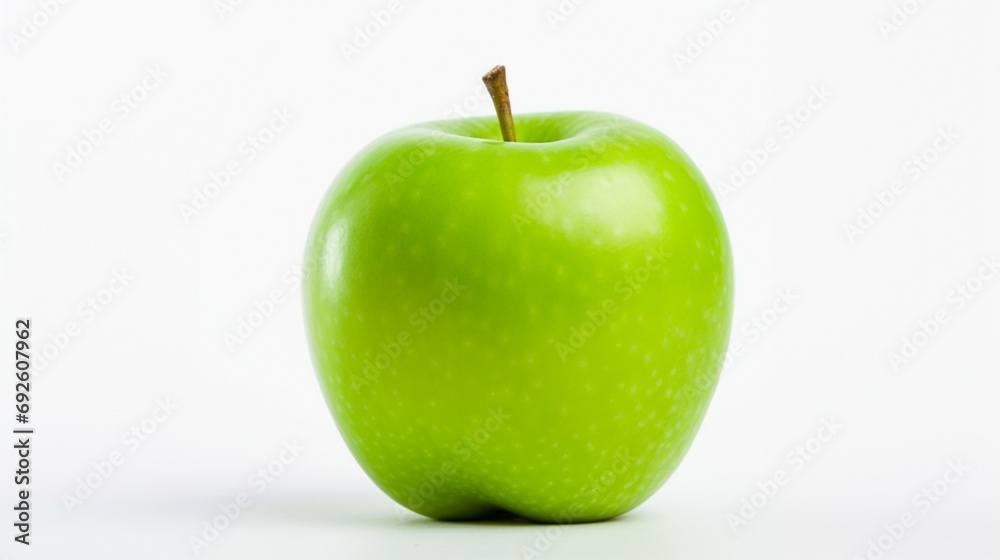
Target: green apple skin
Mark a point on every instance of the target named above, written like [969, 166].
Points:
[534, 327]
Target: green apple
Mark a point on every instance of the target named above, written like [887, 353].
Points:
[534, 327]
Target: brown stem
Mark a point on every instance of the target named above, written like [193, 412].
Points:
[496, 84]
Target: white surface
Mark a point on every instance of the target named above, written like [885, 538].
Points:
[827, 356]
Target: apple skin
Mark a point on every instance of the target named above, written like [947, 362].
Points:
[533, 327]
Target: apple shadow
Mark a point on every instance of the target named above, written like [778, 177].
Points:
[356, 509]
[375, 527]
[504, 518]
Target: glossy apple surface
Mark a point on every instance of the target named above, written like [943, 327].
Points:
[532, 326]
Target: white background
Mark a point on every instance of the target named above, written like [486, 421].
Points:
[827, 355]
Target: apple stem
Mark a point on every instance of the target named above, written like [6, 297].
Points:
[496, 84]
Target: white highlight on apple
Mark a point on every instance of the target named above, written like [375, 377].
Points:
[536, 206]
[931, 325]
[914, 167]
